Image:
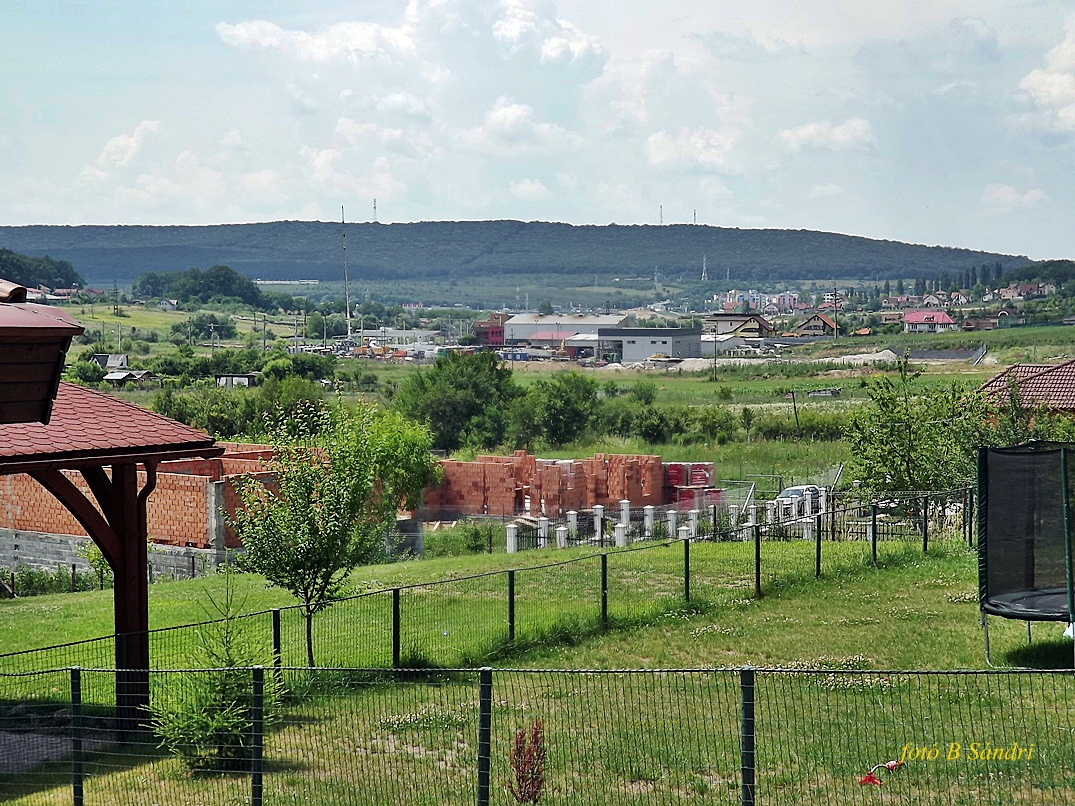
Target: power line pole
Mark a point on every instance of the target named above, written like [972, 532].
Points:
[346, 290]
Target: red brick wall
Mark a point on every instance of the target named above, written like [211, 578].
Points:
[177, 510]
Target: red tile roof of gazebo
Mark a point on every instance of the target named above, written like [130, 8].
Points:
[89, 428]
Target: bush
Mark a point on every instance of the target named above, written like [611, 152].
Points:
[31, 581]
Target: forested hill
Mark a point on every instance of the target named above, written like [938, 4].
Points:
[470, 250]
[35, 271]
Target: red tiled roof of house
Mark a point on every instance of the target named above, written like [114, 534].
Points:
[1048, 385]
[998, 384]
[923, 317]
[91, 426]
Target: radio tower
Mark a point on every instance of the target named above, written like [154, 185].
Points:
[705, 272]
[374, 211]
[346, 290]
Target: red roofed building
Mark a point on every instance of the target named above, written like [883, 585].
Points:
[817, 325]
[928, 322]
[1049, 386]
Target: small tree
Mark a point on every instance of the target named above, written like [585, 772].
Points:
[340, 476]
[205, 718]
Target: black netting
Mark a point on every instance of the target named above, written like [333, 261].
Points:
[1023, 545]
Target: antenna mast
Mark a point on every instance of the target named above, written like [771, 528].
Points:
[346, 290]
[705, 272]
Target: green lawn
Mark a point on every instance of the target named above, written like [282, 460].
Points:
[636, 738]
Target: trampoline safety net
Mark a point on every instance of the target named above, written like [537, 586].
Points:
[1023, 538]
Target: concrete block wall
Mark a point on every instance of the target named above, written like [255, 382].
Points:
[43, 550]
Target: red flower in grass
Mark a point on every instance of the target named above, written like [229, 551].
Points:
[888, 766]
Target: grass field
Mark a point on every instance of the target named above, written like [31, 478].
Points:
[641, 738]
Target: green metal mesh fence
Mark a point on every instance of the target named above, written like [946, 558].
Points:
[725, 736]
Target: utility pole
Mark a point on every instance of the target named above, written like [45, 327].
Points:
[346, 291]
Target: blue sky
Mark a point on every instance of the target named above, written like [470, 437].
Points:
[943, 122]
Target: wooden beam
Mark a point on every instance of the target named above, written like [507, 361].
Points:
[100, 485]
[85, 513]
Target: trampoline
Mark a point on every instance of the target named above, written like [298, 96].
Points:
[1024, 533]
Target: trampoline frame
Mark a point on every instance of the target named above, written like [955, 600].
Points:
[983, 537]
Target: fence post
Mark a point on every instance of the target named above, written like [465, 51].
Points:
[671, 517]
[692, 523]
[599, 524]
[604, 589]
[485, 730]
[625, 512]
[873, 533]
[818, 526]
[620, 535]
[543, 532]
[277, 648]
[573, 521]
[512, 533]
[257, 731]
[395, 628]
[511, 605]
[647, 520]
[686, 570]
[77, 796]
[746, 734]
[712, 522]
[561, 537]
[925, 523]
[757, 562]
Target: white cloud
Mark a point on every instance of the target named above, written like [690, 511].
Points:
[854, 134]
[529, 190]
[1052, 88]
[328, 169]
[122, 148]
[403, 103]
[303, 102]
[825, 191]
[348, 41]
[510, 127]
[1006, 199]
[526, 25]
[690, 148]
[233, 138]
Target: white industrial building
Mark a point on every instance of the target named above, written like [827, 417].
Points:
[525, 326]
[634, 344]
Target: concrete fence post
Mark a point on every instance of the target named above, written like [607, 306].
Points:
[625, 512]
[598, 521]
[543, 532]
[692, 522]
[753, 516]
[647, 514]
[621, 535]
[561, 537]
[512, 538]
[671, 516]
[573, 521]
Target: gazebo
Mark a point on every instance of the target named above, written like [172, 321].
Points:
[85, 448]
